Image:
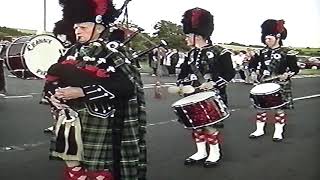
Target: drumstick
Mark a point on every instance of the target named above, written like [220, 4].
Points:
[174, 89]
[276, 77]
[181, 90]
[190, 89]
[270, 78]
[187, 89]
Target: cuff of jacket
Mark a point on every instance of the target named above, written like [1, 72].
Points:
[95, 92]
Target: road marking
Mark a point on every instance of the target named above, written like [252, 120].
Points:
[15, 97]
[149, 86]
[35, 93]
[306, 97]
[23, 147]
[161, 123]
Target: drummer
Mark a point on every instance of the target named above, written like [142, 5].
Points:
[206, 67]
[275, 61]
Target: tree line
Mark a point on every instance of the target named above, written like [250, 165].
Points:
[164, 30]
[7, 33]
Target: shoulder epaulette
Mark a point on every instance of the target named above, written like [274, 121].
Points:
[219, 50]
[292, 52]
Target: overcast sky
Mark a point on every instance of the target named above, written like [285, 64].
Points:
[235, 21]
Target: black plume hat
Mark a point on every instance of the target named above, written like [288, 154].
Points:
[198, 21]
[97, 11]
[274, 28]
[66, 28]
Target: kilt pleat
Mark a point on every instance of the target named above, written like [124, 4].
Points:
[286, 87]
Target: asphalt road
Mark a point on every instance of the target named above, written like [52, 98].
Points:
[24, 146]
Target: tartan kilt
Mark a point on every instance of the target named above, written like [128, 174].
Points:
[97, 143]
[97, 136]
[286, 93]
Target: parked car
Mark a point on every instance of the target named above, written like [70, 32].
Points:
[301, 65]
[301, 61]
[313, 63]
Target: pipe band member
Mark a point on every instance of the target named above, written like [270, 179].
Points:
[275, 60]
[206, 64]
[102, 124]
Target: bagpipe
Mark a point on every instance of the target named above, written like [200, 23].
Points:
[83, 71]
[86, 71]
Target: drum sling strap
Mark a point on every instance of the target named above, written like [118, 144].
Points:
[197, 73]
[195, 70]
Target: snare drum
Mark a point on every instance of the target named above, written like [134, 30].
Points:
[267, 96]
[201, 109]
[31, 56]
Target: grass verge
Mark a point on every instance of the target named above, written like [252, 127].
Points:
[309, 72]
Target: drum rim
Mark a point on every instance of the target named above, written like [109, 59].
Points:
[270, 108]
[209, 124]
[186, 104]
[22, 60]
[266, 93]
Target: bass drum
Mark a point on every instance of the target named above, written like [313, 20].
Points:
[31, 56]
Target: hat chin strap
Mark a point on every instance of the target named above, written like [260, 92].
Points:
[194, 40]
[92, 32]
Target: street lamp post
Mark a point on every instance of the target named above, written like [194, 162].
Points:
[44, 15]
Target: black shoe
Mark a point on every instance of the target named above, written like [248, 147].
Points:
[49, 130]
[254, 137]
[209, 164]
[218, 125]
[44, 102]
[190, 161]
[276, 139]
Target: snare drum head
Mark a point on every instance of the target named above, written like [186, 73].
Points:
[41, 52]
[265, 88]
[194, 98]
